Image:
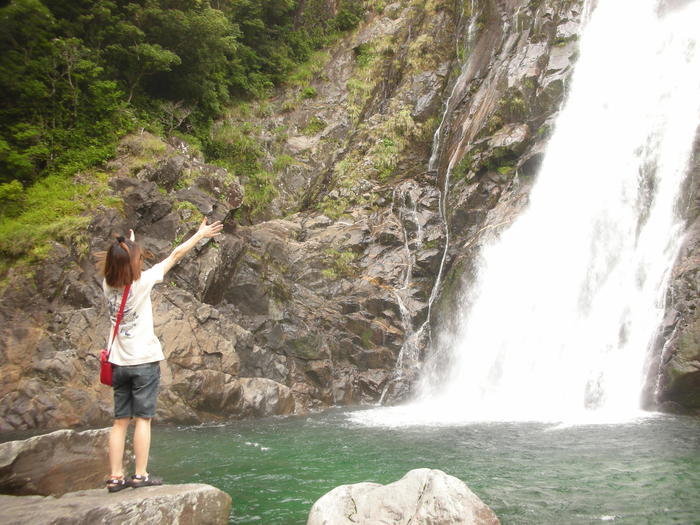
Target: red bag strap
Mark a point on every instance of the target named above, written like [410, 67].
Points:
[119, 318]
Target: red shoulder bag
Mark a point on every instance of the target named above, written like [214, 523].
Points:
[105, 365]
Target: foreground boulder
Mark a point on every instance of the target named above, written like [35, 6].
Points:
[191, 504]
[55, 463]
[423, 496]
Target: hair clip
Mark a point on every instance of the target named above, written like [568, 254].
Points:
[121, 239]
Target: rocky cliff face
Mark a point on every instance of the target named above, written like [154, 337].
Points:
[498, 119]
[289, 314]
[673, 380]
[422, 130]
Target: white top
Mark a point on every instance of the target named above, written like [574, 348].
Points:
[136, 342]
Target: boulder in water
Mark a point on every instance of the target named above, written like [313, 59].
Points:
[54, 463]
[423, 496]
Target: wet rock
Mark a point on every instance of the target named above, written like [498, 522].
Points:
[264, 397]
[421, 497]
[217, 182]
[512, 136]
[192, 504]
[427, 87]
[53, 464]
[674, 377]
[560, 57]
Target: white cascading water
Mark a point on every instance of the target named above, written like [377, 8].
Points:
[568, 298]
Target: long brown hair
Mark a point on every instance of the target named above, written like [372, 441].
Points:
[122, 263]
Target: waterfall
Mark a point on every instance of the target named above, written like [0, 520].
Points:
[404, 205]
[567, 299]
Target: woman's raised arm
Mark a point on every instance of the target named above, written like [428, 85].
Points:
[205, 230]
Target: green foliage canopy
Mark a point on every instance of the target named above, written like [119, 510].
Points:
[76, 74]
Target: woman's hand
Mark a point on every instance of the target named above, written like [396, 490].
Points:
[209, 230]
[205, 230]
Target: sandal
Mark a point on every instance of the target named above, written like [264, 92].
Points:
[117, 484]
[144, 481]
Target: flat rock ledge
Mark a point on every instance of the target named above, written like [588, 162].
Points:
[191, 504]
[422, 497]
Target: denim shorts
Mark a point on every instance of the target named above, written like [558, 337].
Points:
[136, 390]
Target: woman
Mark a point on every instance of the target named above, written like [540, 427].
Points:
[136, 351]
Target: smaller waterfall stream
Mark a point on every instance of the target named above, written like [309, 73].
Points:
[404, 206]
[409, 352]
[568, 298]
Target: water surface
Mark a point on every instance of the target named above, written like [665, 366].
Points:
[641, 472]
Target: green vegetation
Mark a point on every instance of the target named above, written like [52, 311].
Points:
[530, 83]
[282, 162]
[308, 92]
[461, 169]
[140, 150]
[77, 76]
[234, 145]
[367, 336]
[340, 263]
[514, 107]
[51, 211]
[386, 155]
[259, 192]
[561, 41]
[314, 126]
[190, 217]
[511, 108]
[394, 135]
[361, 85]
[188, 212]
[333, 207]
[303, 73]
[544, 131]
[480, 159]
[420, 53]
[386, 142]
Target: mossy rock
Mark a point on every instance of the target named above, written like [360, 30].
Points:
[308, 347]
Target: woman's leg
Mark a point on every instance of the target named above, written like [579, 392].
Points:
[117, 438]
[145, 391]
[142, 444]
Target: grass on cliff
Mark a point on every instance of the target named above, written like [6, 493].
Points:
[55, 209]
[340, 263]
[235, 145]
